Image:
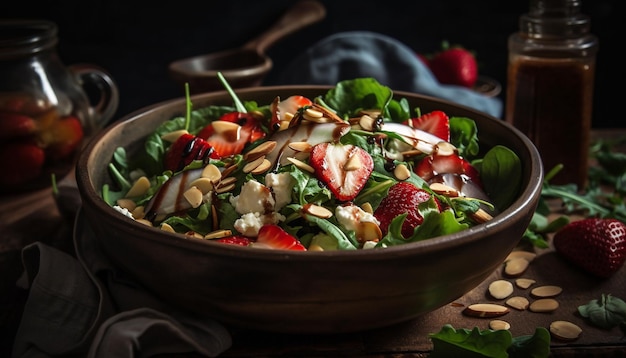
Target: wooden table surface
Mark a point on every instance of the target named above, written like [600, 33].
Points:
[35, 217]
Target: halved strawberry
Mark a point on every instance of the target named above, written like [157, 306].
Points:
[250, 131]
[286, 109]
[344, 168]
[434, 164]
[235, 240]
[186, 149]
[23, 162]
[63, 137]
[435, 122]
[403, 197]
[274, 237]
[16, 125]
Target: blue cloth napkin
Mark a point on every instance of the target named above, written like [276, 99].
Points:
[349, 55]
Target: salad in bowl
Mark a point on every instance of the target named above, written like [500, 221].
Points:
[351, 169]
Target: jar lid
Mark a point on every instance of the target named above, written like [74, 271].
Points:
[23, 37]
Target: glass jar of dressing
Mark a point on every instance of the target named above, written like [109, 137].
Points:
[46, 110]
[550, 85]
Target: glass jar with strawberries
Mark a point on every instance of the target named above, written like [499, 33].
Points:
[45, 110]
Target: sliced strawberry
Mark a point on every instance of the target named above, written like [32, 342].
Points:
[344, 168]
[233, 143]
[14, 125]
[63, 138]
[23, 162]
[186, 149]
[435, 122]
[435, 164]
[235, 240]
[403, 197]
[274, 237]
[595, 245]
[286, 109]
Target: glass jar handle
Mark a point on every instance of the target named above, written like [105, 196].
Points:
[102, 92]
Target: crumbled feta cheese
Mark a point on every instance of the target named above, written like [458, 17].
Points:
[369, 244]
[349, 216]
[124, 211]
[253, 198]
[281, 184]
[250, 223]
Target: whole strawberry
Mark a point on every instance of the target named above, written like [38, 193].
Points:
[403, 197]
[596, 245]
[455, 66]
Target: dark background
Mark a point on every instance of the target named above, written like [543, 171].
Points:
[135, 43]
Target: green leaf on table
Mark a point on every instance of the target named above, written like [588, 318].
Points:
[606, 312]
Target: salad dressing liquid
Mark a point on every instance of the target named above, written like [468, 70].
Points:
[550, 103]
[550, 79]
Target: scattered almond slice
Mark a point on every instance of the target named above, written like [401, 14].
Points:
[498, 324]
[518, 302]
[516, 266]
[546, 291]
[529, 256]
[565, 330]
[524, 283]
[485, 310]
[500, 289]
[544, 305]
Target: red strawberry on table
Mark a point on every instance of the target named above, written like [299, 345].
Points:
[455, 66]
[186, 149]
[596, 245]
[274, 237]
[344, 168]
[403, 197]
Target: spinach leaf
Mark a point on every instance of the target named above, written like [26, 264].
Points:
[501, 173]
[606, 312]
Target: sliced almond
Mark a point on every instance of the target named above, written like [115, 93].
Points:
[500, 289]
[217, 234]
[211, 172]
[353, 163]
[139, 212]
[316, 210]
[262, 168]
[366, 122]
[498, 324]
[524, 283]
[529, 256]
[128, 204]
[229, 130]
[167, 227]
[401, 172]
[565, 330]
[250, 166]
[485, 310]
[193, 196]
[171, 137]
[544, 305]
[367, 207]
[444, 189]
[546, 291]
[226, 182]
[139, 188]
[515, 267]
[203, 184]
[312, 113]
[518, 302]
[301, 146]
[261, 150]
[302, 165]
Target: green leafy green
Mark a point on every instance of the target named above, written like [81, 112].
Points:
[606, 312]
[476, 343]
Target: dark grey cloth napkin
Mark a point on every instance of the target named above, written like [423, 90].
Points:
[349, 55]
[86, 308]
